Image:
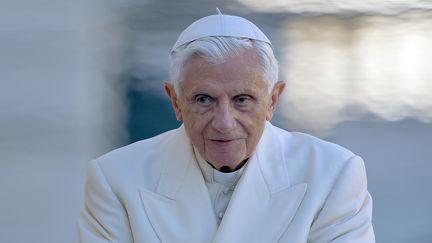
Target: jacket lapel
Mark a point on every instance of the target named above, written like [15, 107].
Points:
[261, 208]
[264, 202]
[180, 209]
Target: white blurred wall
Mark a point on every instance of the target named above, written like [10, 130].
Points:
[56, 106]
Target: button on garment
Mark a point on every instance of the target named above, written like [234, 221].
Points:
[226, 190]
[220, 215]
[220, 185]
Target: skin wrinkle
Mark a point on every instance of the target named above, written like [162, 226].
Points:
[224, 107]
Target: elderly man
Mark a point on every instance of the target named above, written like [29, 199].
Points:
[227, 174]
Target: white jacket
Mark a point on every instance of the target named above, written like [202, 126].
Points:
[295, 188]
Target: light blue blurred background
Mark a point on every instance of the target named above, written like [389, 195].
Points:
[79, 78]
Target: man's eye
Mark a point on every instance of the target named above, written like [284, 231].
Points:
[242, 100]
[203, 100]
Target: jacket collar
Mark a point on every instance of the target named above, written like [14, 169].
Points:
[263, 194]
[264, 201]
[268, 156]
[180, 203]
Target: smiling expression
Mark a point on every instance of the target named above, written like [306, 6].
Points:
[224, 107]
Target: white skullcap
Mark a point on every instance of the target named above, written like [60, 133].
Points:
[220, 25]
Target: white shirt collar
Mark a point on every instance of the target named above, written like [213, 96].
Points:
[211, 175]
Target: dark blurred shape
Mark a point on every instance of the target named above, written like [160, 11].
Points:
[149, 112]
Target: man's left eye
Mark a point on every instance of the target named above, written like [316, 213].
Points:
[242, 100]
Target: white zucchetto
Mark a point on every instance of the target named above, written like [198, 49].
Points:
[220, 25]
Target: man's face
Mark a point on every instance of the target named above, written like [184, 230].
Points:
[224, 107]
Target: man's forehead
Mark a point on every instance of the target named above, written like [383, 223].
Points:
[221, 85]
[220, 25]
[216, 89]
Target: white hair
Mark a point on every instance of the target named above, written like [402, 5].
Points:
[216, 49]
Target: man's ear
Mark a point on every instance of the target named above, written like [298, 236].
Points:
[275, 94]
[170, 91]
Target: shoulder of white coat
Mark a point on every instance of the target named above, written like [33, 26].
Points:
[140, 148]
[310, 155]
[138, 162]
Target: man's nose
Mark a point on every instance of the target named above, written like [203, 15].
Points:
[224, 120]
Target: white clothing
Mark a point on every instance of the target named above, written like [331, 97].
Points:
[219, 184]
[295, 188]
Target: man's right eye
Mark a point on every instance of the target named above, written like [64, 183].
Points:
[203, 100]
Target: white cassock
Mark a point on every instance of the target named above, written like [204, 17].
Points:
[295, 188]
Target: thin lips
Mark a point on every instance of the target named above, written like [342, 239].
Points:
[223, 139]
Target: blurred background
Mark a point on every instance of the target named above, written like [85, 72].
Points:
[80, 78]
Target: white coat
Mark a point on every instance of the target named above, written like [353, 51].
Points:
[295, 188]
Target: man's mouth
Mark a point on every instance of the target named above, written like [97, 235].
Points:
[223, 141]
